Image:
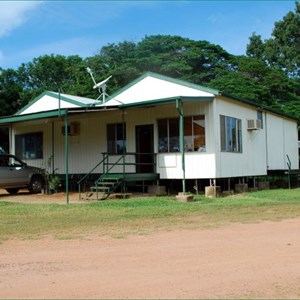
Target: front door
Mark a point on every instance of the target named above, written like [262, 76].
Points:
[144, 149]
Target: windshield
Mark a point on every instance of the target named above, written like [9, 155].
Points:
[10, 161]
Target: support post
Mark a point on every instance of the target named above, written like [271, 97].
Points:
[67, 156]
[179, 108]
[123, 150]
[289, 164]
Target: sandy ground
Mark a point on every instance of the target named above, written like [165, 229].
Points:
[237, 261]
[23, 196]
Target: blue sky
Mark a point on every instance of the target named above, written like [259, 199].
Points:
[30, 29]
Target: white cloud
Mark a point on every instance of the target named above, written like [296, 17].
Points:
[14, 13]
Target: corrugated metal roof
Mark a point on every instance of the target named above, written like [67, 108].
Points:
[52, 100]
[151, 86]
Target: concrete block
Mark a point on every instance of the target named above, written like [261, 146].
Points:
[212, 191]
[182, 197]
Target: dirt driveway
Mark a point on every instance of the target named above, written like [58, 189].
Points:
[237, 261]
[23, 196]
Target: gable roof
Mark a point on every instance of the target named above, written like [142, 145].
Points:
[147, 90]
[48, 101]
[152, 87]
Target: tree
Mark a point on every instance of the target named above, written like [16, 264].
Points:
[10, 90]
[175, 56]
[54, 73]
[282, 53]
[282, 50]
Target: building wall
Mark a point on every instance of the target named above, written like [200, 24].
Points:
[282, 135]
[252, 160]
[261, 149]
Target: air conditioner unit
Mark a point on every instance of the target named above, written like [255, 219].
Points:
[253, 124]
[73, 129]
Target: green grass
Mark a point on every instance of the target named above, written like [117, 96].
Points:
[120, 218]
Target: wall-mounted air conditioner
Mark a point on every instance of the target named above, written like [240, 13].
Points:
[73, 129]
[253, 124]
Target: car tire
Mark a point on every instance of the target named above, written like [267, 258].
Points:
[12, 191]
[36, 185]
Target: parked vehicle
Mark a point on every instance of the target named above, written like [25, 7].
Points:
[16, 174]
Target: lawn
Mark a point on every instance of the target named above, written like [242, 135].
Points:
[120, 218]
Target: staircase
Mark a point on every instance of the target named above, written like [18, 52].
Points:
[108, 182]
[104, 186]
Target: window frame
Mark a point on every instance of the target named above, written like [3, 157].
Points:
[260, 116]
[168, 142]
[117, 140]
[29, 145]
[231, 134]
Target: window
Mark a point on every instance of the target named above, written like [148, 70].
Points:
[168, 135]
[194, 134]
[29, 146]
[116, 142]
[260, 117]
[231, 134]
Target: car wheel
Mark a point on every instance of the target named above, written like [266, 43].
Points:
[36, 185]
[12, 191]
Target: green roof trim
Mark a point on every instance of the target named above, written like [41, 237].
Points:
[165, 78]
[30, 117]
[167, 101]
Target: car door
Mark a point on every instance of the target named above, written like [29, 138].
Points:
[5, 178]
[17, 171]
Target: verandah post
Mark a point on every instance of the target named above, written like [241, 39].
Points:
[179, 107]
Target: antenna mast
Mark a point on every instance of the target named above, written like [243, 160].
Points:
[101, 86]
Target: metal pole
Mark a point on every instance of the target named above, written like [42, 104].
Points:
[181, 139]
[52, 149]
[59, 112]
[123, 150]
[289, 164]
[67, 155]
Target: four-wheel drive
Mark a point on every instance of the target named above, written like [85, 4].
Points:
[16, 174]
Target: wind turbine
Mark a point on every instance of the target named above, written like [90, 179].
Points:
[101, 86]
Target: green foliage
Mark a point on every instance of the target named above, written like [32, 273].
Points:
[281, 51]
[282, 54]
[54, 182]
[10, 90]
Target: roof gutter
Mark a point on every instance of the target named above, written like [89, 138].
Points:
[61, 112]
[35, 116]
